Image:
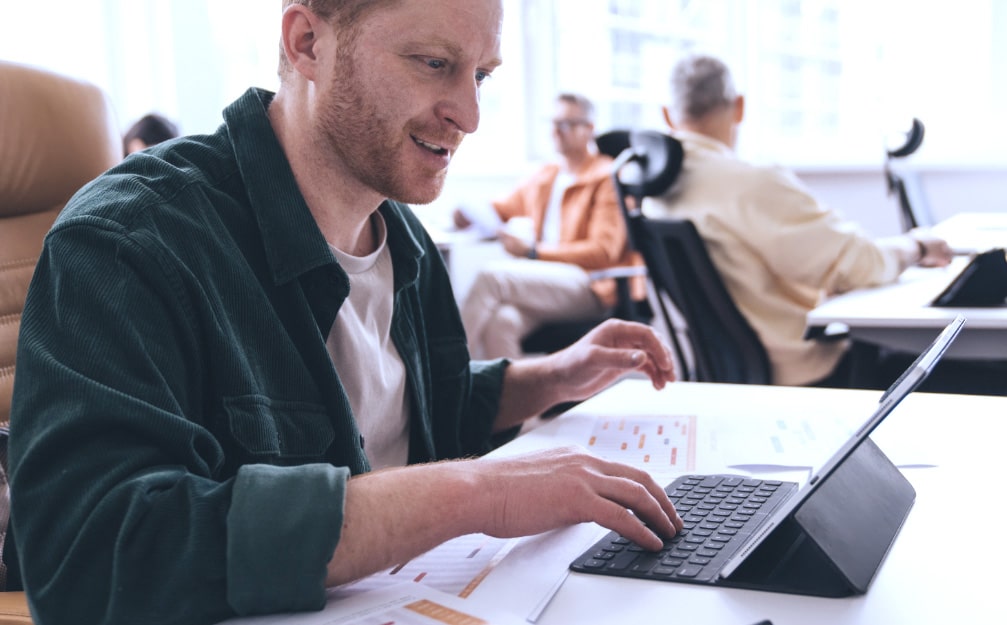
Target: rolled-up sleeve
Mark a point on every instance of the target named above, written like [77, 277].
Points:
[280, 559]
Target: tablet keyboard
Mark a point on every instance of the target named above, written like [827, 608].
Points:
[720, 513]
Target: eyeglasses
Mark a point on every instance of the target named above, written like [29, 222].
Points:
[566, 125]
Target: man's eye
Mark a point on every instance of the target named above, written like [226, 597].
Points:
[482, 76]
[436, 63]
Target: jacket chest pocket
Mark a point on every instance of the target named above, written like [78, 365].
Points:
[274, 430]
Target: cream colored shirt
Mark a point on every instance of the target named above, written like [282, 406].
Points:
[778, 250]
[366, 359]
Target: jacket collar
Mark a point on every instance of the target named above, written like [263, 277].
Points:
[700, 141]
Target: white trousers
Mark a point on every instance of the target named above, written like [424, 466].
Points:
[511, 298]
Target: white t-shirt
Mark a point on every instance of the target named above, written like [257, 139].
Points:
[554, 211]
[365, 357]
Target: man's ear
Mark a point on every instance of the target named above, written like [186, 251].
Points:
[739, 109]
[299, 39]
[667, 117]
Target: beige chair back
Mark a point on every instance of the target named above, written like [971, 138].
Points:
[56, 134]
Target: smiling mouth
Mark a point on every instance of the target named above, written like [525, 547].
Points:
[436, 149]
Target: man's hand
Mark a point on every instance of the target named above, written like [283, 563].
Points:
[541, 491]
[934, 251]
[460, 220]
[515, 246]
[393, 515]
[607, 353]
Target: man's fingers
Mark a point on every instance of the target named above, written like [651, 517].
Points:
[620, 520]
[620, 359]
[640, 497]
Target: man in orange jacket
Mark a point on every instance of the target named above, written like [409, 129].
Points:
[573, 226]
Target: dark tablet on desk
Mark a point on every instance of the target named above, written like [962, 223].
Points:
[983, 282]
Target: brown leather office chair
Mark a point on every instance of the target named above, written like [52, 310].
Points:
[58, 133]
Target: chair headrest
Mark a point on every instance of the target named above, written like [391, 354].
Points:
[58, 134]
[653, 165]
[914, 139]
[613, 142]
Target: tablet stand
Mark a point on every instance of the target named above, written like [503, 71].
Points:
[834, 542]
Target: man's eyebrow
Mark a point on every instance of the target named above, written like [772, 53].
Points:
[456, 51]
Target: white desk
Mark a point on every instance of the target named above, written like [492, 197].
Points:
[940, 569]
[898, 316]
[973, 232]
[934, 572]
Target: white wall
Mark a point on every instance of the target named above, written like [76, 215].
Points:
[862, 195]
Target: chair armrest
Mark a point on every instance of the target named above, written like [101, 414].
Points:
[834, 331]
[618, 272]
[14, 609]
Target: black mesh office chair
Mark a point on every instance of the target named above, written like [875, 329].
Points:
[556, 335]
[716, 344]
[912, 214]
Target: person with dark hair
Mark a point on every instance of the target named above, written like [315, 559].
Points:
[572, 225]
[242, 376]
[778, 249]
[149, 130]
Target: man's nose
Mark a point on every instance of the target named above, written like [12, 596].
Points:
[460, 105]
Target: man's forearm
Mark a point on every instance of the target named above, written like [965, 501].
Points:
[392, 516]
[528, 390]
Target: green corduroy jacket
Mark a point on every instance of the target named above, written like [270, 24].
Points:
[180, 440]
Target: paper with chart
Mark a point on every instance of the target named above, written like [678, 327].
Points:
[674, 444]
[660, 444]
[456, 567]
[400, 604]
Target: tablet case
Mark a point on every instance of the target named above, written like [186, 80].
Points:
[983, 282]
[834, 543]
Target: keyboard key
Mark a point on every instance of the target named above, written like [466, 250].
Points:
[621, 561]
[645, 563]
[689, 571]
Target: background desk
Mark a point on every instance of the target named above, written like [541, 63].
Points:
[941, 569]
[973, 232]
[898, 316]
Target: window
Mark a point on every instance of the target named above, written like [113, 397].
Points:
[826, 81]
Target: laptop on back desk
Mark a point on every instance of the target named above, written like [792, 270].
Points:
[825, 538]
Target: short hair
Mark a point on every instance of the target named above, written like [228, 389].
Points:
[151, 129]
[347, 15]
[585, 105]
[700, 85]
